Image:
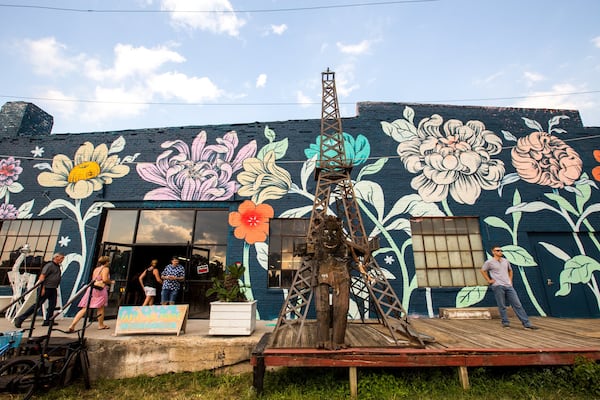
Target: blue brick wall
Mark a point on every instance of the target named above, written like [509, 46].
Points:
[393, 178]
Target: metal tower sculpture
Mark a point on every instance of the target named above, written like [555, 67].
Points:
[369, 286]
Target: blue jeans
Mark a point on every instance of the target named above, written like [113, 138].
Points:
[168, 296]
[507, 295]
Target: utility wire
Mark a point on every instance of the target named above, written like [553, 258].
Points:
[264, 10]
[375, 158]
[270, 104]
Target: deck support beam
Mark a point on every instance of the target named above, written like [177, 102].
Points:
[463, 375]
[353, 375]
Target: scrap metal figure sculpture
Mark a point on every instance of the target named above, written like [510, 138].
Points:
[333, 278]
[323, 266]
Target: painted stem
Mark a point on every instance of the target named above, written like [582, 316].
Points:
[82, 238]
[399, 253]
[446, 207]
[529, 291]
[526, 283]
[246, 283]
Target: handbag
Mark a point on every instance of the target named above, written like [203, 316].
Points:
[99, 285]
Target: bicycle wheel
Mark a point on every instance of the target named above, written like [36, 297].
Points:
[19, 376]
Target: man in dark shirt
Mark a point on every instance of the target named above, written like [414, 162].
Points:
[50, 280]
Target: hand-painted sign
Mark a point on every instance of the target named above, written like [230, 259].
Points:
[202, 269]
[152, 319]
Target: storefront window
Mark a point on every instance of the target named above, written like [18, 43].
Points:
[120, 226]
[285, 235]
[40, 236]
[165, 226]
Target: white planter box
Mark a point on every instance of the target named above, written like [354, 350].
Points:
[232, 318]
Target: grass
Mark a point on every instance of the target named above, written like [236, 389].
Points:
[581, 381]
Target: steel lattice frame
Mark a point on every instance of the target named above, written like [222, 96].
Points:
[370, 288]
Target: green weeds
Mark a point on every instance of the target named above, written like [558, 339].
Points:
[578, 382]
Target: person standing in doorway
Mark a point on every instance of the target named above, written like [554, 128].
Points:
[150, 279]
[48, 290]
[498, 272]
[172, 276]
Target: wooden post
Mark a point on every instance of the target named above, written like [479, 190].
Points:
[353, 383]
[463, 375]
[258, 375]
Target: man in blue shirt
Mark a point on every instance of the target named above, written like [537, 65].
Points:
[172, 276]
[498, 273]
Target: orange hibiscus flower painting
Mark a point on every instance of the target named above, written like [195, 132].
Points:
[251, 221]
[596, 170]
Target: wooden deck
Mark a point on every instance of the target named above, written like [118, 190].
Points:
[460, 343]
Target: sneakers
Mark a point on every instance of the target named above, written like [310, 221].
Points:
[506, 325]
[532, 327]
[18, 323]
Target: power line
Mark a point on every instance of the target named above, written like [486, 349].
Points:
[271, 104]
[373, 158]
[264, 10]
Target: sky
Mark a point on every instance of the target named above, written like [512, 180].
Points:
[109, 65]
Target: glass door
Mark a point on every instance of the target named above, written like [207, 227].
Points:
[199, 272]
[120, 258]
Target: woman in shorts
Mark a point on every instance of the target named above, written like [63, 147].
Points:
[150, 279]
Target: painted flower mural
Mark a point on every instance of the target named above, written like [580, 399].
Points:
[251, 221]
[263, 180]
[456, 160]
[91, 169]
[8, 211]
[545, 160]
[357, 150]
[596, 170]
[10, 169]
[199, 172]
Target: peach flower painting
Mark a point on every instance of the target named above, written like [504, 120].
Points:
[545, 160]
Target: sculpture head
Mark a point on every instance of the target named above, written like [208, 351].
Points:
[330, 238]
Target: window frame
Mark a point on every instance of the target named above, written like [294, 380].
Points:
[447, 251]
[283, 264]
[40, 234]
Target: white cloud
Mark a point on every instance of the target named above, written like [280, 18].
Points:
[596, 41]
[65, 106]
[303, 99]
[181, 86]
[354, 49]
[217, 16]
[532, 77]
[130, 61]
[279, 29]
[558, 97]
[115, 103]
[344, 79]
[49, 57]
[261, 81]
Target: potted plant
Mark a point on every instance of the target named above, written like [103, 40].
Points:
[232, 313]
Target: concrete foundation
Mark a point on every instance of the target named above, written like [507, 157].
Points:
[115, 357]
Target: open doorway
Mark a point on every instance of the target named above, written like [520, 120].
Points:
[128, 262]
